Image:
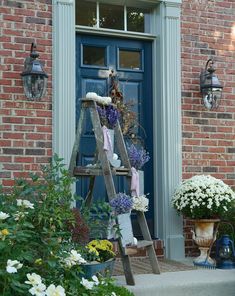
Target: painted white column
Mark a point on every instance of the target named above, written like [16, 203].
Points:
[168, 129]
[63, 77]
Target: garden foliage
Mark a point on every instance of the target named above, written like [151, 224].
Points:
[38, 255]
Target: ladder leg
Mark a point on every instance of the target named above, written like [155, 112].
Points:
[150, 249]
[109, 186]
[108, 179]
[121, 146]
[126, 266]
[88, 198]
[75, 150]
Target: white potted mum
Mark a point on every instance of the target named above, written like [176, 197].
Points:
[204, 199]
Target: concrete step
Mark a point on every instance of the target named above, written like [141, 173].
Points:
[199, 282]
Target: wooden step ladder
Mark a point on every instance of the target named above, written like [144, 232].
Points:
[107, 172]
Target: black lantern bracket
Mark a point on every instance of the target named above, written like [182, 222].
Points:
[210, 87]
[34, 77]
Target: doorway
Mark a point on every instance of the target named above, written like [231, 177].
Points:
[131, 60]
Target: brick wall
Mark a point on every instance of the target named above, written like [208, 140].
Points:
[25, 126]
[208, 31]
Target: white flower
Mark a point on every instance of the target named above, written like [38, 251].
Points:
[4, 216]
[95, 280]
[203, 197]
[33, 279]
[140, 203]
[13, 265]
[24, 203]
[52, 290]
[113, 294]
[87, 284]
[19, 215]
[74, 258]
[38, 290]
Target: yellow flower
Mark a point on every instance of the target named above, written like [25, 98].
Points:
[5, 232]
[38, 261]
[101, 247]
[93, 250]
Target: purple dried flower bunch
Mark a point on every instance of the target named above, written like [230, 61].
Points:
[138, 156]
[109, 115]
[122, 203]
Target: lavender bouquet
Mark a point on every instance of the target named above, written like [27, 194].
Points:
[109, 116]
[122, 203]
[138, 156]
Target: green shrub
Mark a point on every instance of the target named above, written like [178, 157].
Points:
[37, 253]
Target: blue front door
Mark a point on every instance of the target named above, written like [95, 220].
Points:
[96, 57]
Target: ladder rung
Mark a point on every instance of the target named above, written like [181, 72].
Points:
[94, 171]
[131, 250]
[144, 243]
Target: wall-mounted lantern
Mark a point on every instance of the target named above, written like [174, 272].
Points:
[210, 86]
[34, 77]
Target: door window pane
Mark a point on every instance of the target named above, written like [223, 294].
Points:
[111, 16]
[138, 20]
[129, 59]
[93, 55]
[86, 13]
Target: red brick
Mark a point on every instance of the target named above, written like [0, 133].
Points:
[35, 121]
[13, 167]
[35, 136]
[13, 135]
[12, 120]
[23, 159]
[20, 174]
[44, 129]
[8, 183]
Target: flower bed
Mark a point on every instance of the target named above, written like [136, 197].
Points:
[38, 255]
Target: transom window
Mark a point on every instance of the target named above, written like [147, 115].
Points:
[109, 16]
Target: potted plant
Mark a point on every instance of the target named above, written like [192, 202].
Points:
[138, 157]
[140, 203]
[204, 199]
[122, 206]
[109, 116]
[99, 256]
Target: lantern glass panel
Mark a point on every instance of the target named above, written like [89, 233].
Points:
[215, 80]
[34, 86]
[225, 252]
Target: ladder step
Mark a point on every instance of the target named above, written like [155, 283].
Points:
[82, 171]
[132, 250]
[144, 244]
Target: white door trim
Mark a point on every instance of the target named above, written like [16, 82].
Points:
[166, 99]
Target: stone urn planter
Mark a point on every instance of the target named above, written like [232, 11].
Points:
[204, 236]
